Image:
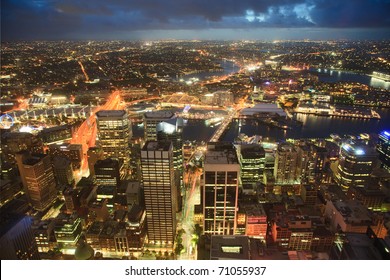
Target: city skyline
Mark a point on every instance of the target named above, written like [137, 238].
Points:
[194, 149]
[198, 20]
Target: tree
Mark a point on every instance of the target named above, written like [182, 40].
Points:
[178, 249]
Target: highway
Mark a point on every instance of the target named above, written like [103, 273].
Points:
[190, 198]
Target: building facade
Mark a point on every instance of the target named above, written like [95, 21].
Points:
[219, 194]
[114, 132]
[159, 191]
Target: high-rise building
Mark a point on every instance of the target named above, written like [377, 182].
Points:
[384, 149]
[171, 130]
[107, 172]
[219, 195]
[286, 164]
[63, 171]
[159, 191]
[114, 132]
[67, 230]
[94, 154]
[151, 120]
[38, 180]
[355, 165]
[16, 238]
[252, 161]
[73, 152]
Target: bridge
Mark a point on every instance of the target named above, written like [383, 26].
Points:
[218, 133]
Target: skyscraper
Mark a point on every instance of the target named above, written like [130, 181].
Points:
[94, 154]
[172, 130]
[16, 238]
[286, 164]
[159, 191]
[220, 189]
[114, 132]
[107, 172]
[63, 171]
[252, 161]
[355, 165]
[38, 180]
[151, 120]
[384, 149]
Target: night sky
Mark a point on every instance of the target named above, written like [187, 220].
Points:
[194, 19]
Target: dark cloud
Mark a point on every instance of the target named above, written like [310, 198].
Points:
[73, 19]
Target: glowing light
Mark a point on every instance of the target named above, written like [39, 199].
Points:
[26, 128]
[6, 121]
[386, 133]
[359, 152]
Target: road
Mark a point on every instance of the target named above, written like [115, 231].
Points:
[190, 198]
[86, 133]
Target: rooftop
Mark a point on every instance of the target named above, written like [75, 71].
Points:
[229, 247]
[221, 153]
[159, 115]
[252, 151]
[264, 108]
[358, 150]
[352, 211]
[111, 113]
[157, 146]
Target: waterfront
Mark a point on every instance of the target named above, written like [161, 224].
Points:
[313, 127]
[334, 76]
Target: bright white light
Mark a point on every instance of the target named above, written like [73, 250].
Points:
[26, 128]
[359, 152]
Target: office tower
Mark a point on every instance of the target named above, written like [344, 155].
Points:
[63, 171]
[151, 120]
[220, 183]
[43, 232]
[252, 161]
[311, 162]
[72, 201]
[107, 172]
[384, 149]
[94, 154]
[114, 132]
[38, 180]
[57, 134]
[171, 130]
[136, 227]
[355, 165]
[286, 164]
[73, 152]
[67, 230]
[16, 238]
[159, 191]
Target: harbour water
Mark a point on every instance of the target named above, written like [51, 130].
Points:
[334, 76]
[313, 126]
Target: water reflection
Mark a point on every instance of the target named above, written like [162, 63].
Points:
[345, 76]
